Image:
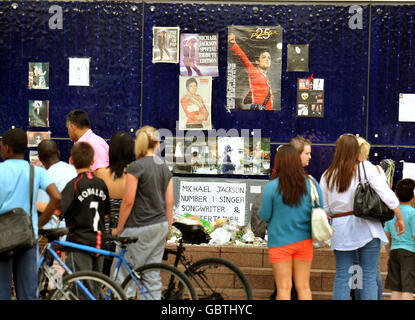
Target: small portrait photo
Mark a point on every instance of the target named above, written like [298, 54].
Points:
[302, 110]
[231, 155]
[39, 113]
[303, 84]
[166, 44]
[38, 75]
[34, 138]
[318, 84]
[34, 158]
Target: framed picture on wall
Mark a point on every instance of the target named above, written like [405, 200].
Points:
[35, 137]
[38, 113]
[254, 68]
[166, 44]
[38, 75]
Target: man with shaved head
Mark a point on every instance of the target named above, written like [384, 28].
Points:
[60, 171]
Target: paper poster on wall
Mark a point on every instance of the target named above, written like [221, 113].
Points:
[310, 98]
[408, 170]
[297, 57]
[79, 71]
[166, 44]
[254, 68]
[195, 103]
[213, 200]
[38, 113]
[199, 54]
[38, 75]
[35, 137]
[406, 107]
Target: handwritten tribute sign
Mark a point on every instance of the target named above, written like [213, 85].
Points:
[213, 200]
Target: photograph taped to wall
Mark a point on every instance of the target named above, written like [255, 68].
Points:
[297, 57]
[254, 68]
[192, 154]
[38, 75]
[34, 158]
[257, 161]
[199, 54]
[247, 156]
[39, 113]
[35, 137]
[166, 44]
[310, 98]
[195, 103]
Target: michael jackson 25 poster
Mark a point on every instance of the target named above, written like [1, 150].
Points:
[254, 68]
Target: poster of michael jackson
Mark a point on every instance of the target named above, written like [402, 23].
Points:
[199, 54]
[254, 68]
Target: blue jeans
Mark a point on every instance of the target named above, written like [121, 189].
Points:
[364, 276]
[378, 281]
[24, 267]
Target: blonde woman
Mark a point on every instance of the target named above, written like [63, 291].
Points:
[146, 210]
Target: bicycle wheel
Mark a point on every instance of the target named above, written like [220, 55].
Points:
[100, 286]
[219, 279]
[159, 281]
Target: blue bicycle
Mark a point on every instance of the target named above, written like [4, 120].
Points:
[81, 285]
[155, 281]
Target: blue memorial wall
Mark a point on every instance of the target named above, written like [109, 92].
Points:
[365, 69]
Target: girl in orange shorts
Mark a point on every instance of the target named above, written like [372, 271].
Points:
[286, 206]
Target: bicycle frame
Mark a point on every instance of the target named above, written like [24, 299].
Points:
[121, 260]
[67, 269]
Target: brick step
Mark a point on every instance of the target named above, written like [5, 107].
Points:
[254, 262]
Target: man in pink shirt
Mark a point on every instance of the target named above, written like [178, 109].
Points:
[79, 129]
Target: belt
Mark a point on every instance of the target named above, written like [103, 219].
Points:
[343, 214]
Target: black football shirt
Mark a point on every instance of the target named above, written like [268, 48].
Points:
[85, 202]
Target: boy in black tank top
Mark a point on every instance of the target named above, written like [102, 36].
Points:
[85, 203]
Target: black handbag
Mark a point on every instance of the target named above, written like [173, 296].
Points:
[367, 203]
[16, 227]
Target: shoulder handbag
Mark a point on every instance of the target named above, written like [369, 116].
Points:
[367, 203]
[321, 230]
[16, 228]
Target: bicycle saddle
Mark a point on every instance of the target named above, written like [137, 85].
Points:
[53, 234]
[192, 233]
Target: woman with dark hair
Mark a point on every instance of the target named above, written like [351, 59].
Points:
[353, 234]
[121, 154]
[286, 206]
